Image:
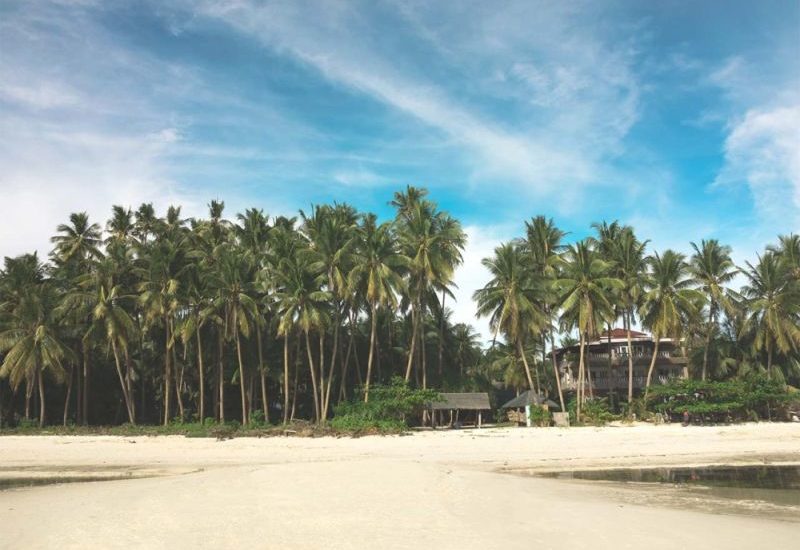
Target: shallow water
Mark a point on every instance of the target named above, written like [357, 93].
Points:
[770, 490]
[21, 482]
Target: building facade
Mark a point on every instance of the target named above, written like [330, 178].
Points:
[607, 362]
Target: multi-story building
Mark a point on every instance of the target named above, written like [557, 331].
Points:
[607, 362]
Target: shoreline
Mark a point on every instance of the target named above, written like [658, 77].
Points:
[429, 489]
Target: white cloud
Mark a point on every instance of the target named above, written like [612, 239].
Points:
[763, 150]
[586, 84]
[472, 275]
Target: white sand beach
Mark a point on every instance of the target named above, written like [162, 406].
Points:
[440, 489]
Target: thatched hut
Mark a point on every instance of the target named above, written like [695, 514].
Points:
[455, 403]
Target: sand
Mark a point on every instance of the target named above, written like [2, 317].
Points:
[443, 489]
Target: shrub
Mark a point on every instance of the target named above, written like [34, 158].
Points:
[539, 416]
[733, 400]
[388, 408]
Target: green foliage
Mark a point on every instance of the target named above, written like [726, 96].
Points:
[540, 416]
[387, 410]
[743, 399]
[595, 412]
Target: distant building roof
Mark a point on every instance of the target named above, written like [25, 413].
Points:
[529, 398]
[463, 402]
[622, 333]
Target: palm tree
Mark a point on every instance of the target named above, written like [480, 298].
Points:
[253, 235]
[32, 341]
[629, 267]
[510, 300]
[232, 283]
[432, 241]
[585, 288]
[301, 305]
[376, 270]
[668, 303]
[773, 304]
[330, 232]
[114, 322]
[712, 269]
[161, 273]
[78, 241]
[543, 243]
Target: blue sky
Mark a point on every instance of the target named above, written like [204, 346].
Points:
[681, 118]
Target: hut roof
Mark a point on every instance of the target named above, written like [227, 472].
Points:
[463, 401]
[529, 398]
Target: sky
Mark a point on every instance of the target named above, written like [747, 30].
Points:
[680, 118]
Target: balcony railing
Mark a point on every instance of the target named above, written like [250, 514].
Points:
[617, 382]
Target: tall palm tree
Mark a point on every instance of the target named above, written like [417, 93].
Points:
[32, 341]
[712, 269]
[376, 270]
[232, 283]
[630, 267]
[253, 235]
[773, 304]
[543, 243]
[668, 303]
[585, 286]
[302, 306]
[330, 233]
[510, 300]
[162, 273]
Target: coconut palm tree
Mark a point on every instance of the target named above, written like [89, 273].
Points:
[377, 273]
[510, 300]
[253, 236]
[543, 244]
[32, 340]
[629, 267]
[330, 234]
[302, 306]
[585, 287]
[232, 285]
[773, 304]
[712, 269]
[669, 303]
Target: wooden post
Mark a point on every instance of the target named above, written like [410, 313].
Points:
[433, 418]
[479, 418]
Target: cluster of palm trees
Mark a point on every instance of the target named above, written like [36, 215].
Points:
[256, 319]
[540, 286]
[140, 322]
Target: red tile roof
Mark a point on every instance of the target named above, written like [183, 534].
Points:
[622, 333]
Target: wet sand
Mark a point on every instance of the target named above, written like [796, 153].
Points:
[444, 489]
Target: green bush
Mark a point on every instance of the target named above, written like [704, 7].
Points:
[387, 410]
[595, 412]
[739, 400]
[539, 416]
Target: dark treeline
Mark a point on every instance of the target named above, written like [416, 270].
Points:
[255, 319]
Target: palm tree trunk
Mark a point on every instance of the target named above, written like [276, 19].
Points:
[413, 342]
[424, 356]
[78, 394]
[29, 383]
[336, 350]
[372, 333]
[242, 379]
[263, 375]
[69, 393]
[221, 376]
[129, 382]
[40, 380]
[115, 351]
[652, 367]
[708, 340]
[630, 356]
[167, 371]
[286, 377]
[323, 414]
[521, 352]
[345, 368]
[555, 370]
[201, 376]
[441, 340]
[313, 375]
[85, 395]
[769, 361]
[581, 374]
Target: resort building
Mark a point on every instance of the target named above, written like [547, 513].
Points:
[607, 362]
